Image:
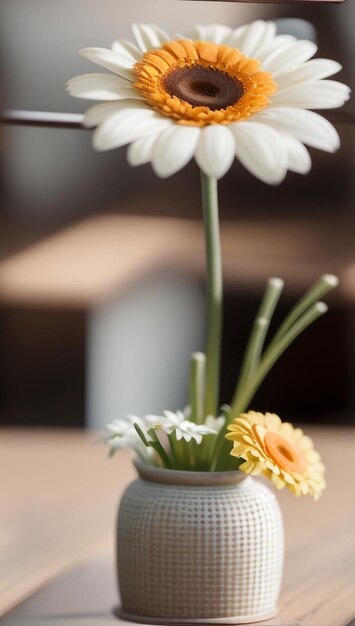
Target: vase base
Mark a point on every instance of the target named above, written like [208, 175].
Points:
[245, 619]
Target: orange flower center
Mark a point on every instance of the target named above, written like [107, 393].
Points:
[284, 454]
[199, 83]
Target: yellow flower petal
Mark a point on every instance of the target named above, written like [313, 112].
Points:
[282, 453]
[247, 467]
[272, 422]
[277, 481]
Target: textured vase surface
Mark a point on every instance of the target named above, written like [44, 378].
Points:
[198, 547]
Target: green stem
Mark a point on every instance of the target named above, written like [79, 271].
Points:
[273, 353]
[214, 292]
[183, 450]
[196, 386]
[322, 286]
[157, 446]
[223, 459]
[141, 434]
[257, 338]
[253, 352]
[174, 452]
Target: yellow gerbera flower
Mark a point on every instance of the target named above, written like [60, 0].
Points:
[277, 450]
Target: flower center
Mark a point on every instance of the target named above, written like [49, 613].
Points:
[203, 86]
[199, 83]
[284, 454]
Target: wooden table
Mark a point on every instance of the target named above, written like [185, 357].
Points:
[59, 499]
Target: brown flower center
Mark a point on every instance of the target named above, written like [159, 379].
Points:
[203, 86]
[284, 454]
[198, 83]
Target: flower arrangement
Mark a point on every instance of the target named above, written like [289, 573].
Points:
[214, 94]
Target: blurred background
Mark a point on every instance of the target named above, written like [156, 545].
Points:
[102, 265]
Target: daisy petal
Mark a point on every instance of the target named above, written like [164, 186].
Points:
[310, 71]
[261, 150]
[174, 416]
[174, 148]
[126, 126]
[298, 158]
[264, 44]
[288, 57]
[110, 60]
[240, 35]
[320, 94]
[280, 41]
[215, 150]
[98, 113]
[217, 33]
[101, 87]
[140, 151]
[254, 38]
[275, 47]
[113, 427]
[149, 36]
[306, 126]
[127, 49]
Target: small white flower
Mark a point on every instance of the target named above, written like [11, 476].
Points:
[183, 428]
[173, 419]
[213, 94]
[124, 435]
[145, 422]
[216, 423]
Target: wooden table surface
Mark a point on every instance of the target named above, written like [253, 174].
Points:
[59, 498]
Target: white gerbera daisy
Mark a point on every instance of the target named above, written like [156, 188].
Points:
[213, 94]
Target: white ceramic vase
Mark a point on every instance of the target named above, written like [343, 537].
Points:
[198, 547]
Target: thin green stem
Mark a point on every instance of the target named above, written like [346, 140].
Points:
[141, 434]
[252, 355]
[219, 445]
[184, 454]
[257, 337]
[320, 288]
[196, 386]
[254, 349]
[214, 292]
[156, 444]
[174, 452]
[143, 455]
[273, 353]
[223, 460]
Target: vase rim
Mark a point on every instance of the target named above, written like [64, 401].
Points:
[165, 476]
